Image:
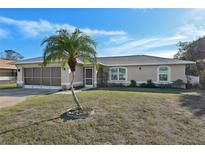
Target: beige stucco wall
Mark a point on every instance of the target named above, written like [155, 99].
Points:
[78, 81]
[151, 73]
[78, 74]
[178, 72]
[146, 73]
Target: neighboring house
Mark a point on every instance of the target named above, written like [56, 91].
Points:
[111, 70]
[7, 71]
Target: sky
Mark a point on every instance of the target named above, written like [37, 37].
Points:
[117, 32]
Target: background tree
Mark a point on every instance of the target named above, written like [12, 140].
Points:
[11, 55]
[67, 48]
[194, 51]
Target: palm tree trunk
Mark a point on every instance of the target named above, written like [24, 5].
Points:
[73, 93]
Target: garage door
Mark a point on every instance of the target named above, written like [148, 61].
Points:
[48, 76]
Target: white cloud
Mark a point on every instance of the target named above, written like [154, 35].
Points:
[193, 25]
[191, 32]
[3, 33]
[143, 45]
[34, 28]
[164, 53]
[119, 39]
[130, 45]
[102, 32]
[160, 53]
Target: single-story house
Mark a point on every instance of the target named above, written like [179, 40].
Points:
[111, 70]
[7, 71]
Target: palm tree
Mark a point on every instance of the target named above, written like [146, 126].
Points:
[67, 47]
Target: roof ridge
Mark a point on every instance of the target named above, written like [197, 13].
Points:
[30, 58]
[119, 56]
[109, 57]
[135, 56]
[158, 57]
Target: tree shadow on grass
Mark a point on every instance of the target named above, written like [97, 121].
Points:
[63, 116]
[195, 103]
[26, 126]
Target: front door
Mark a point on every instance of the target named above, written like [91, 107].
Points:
[88, 77]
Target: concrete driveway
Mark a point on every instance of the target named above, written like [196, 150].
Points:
[9, 97]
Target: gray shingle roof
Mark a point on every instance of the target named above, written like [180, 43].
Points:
[140, 60]
[30, 61]
[36, 60]
[121, 60]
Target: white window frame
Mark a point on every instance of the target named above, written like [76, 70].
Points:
[168, 74]
[117, 73]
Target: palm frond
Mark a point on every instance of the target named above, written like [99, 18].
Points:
[64, 46]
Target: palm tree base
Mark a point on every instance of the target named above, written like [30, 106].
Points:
[74, 114]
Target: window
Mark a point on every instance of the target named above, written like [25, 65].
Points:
[122, 74]
[163, 73]
[114, 72]
[118, 73]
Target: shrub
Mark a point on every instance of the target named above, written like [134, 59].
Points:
[189, 86]
[116, 85]
[143, 85]
[149, 84]
[133, 83]
[178, 83]
[164, 85]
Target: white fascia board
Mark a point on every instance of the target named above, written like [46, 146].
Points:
[148, 64]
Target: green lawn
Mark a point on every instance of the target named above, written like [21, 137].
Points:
[7, 85]
[122, 117]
